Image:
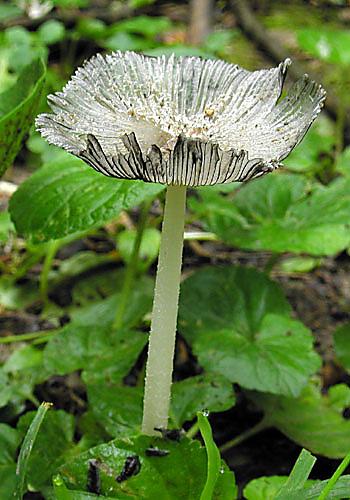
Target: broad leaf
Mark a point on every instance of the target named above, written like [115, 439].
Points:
[88, 292]
[115, 406]
[315, 151]
[343, 162]
[9, 442]
[93, 348]
[68, 196]
[18, 106]
[281, 213]
[312, 420]
[239, 325]
[202, 392]
[264, 488]
[327, 44]
[179, 474]
[118, 407]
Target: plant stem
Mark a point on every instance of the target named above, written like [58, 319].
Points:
[9, 339]
[245, 435]
[332, 481]
[52, 248]
[192, 431]
[131, 267]
[161, 345]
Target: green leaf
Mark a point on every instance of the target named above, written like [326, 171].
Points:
[9, 439]
[22, 370]
[27, 448]
[239, 325]
[315, 151]
[65, 197]
[343, 162]
[339, 491]
[9, 12]
[63, 493]
[52, 446]
[117, 407]
[180, 474]
[264, 488]
[148, 26]
[51, 32]
[127, 41]
[91, 28]
[149, 246]
[298, 264]
[281, 213]
[93, 310]
[22, 48]
[202, 392]
[330, 45]
[23, 357]
[342, 345]
[9, 442]
[93, 348]
[6, 226]
[15, 296]
[310, 420]
[105, 391]
[299, 475]
[18, 106]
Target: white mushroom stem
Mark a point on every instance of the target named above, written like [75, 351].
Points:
[164, 315]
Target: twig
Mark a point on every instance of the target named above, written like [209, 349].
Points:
[201, 17]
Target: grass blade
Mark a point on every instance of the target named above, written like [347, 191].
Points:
[298, 476]
[214, 460]
[26, 449]
[332, 481]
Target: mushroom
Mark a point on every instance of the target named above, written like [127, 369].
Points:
[179, 121]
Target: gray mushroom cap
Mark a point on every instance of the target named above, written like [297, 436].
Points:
[179, 120]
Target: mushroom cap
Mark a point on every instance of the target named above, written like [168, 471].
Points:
[179, 120]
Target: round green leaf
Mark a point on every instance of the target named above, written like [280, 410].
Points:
[281, 213]
[203, 392]
[51, 31]
[239, 325]
[180, 474]
[93, 348]
[313, 420]
[67, 196]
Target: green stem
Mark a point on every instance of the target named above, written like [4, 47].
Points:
[164, 316]
[28, 336]
[131, 268]
[200, 236]
[244, 436]
[192, 431]
[52, 248]
[331, 483]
